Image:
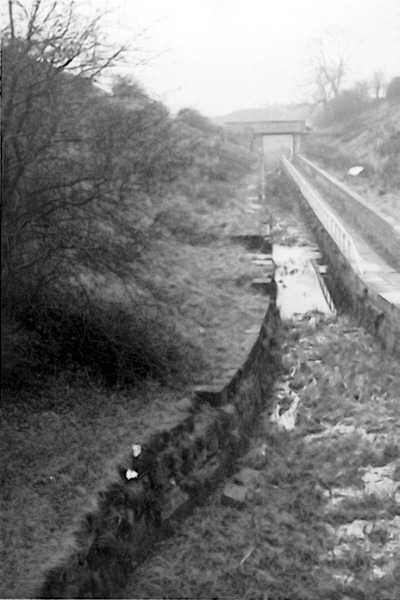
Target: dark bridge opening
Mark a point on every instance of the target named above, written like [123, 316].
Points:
[295, 128]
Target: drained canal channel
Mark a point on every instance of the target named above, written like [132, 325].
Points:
[312, 507]
[273, 474]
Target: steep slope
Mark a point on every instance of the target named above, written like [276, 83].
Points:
[371, 140]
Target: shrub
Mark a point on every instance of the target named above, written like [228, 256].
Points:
[121, 345]
[196, 120]
[393, 91]
[389, 150]
[85, 175]
[348, 104]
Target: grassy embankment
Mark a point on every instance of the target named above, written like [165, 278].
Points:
[370, 139]
[64, 423]
[120, 287]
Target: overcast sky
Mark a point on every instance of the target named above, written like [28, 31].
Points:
[221, 55]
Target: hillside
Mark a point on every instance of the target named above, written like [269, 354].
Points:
[370, 139]
[120, 284]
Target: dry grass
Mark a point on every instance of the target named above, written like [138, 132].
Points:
[57, 449]
[288, 542]
[220, 306]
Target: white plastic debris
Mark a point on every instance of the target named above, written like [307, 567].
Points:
[286, 420]
[344, 578]
[341, 551]
[378, 572]
[262, 450]
[379, 483]
[358, 528]
[131, 474]
[137, 450]
[354, 171]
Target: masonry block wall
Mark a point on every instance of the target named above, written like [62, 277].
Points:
[163, 477]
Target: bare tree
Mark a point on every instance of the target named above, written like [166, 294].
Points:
[328, 65]
[59, 201]
[378, 84]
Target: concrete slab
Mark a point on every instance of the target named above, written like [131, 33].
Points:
[265, 286]
[261, 262]
[260, 256]
[392, 297]
[214, 394]
[247, 477]
[234, 495]
[253, 330]
[262, 280]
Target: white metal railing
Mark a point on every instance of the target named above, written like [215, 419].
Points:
[334, 227]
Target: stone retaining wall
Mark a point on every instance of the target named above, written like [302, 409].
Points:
[380, 317]
[163, 477]
[350, 290]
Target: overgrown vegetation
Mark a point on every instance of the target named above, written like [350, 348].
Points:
[370, 139]
[310, 529]
[91, 181]
[355, 125]
[328, 65]
[393, 91]
[346, 104]
[119, 284]
[61, 435]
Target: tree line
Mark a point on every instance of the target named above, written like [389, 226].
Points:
[329, 64]
[85, 171]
